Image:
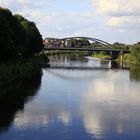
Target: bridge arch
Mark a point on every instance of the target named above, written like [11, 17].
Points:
[80, 37]
[51, 38]
[89, 38]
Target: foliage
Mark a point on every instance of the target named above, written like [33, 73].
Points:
[121, 46]
[23, 69]
[95, 45]
[135, 53]
[101, 55]
[78, 43]
[7, 40]
[126, 57]
[57, 52]
[18, 36]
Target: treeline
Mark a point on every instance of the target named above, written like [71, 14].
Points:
[19, 37]
[121, 46]
[135, 54]
[75, 43]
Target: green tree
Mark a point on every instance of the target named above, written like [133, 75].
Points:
[18, 36]
[135, 53]
[121, 46]
[79, 42]
[32, 37]
[8, 49]
[85, 42]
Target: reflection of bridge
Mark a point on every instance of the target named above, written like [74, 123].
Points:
[105, 46]
[75, 73]
[78, 68]
[78, 72]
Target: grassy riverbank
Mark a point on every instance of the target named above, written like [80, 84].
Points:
[127, 58]
[55, 52]
[21, 69]
[101, 56]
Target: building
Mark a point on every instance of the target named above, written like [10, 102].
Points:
[50, 42]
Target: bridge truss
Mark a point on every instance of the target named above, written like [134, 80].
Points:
[51, 42]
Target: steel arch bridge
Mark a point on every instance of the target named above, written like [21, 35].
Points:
[99, 41]
[91, 39]
[62, 44]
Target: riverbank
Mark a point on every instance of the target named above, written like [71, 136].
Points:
[127, 58]
[21, 69]
[57, 52]
[101, 56]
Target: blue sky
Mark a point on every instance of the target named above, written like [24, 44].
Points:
[109, 20]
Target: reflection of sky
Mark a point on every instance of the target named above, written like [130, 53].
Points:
[106, 107]
[111, 106]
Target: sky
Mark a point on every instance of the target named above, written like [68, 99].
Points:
[108, 20]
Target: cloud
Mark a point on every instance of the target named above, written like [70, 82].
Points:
[122, 15]
[117, 7]
[125, 22]
[103, 106]
[101, 20]
[21, 4]
[90, 15]
[32, 10]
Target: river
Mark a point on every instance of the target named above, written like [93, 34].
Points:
[77, 98]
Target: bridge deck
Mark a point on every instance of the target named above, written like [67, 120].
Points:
[86, 49]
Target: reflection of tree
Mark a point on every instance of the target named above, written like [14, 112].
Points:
[135, 72]
[115, 65]
[104, 62]
[13, 98]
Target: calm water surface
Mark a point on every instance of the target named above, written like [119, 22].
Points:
[76, 99]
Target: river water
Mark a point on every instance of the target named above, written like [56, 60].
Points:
[77, 98]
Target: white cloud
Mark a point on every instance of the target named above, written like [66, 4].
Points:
[122, 15]
[117, 7]
[90, 15]
[23, 6]
[65, 117]
[104, 104]
[129, 23]
[59, 20]
[105, 6]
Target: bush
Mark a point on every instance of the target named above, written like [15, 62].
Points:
[135, 53]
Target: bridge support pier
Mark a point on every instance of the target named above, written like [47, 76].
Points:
[115, 55]
[121, 55]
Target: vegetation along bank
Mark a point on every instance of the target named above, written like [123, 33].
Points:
[20, 44]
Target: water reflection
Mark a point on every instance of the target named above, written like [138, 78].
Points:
[65, 117]
[74, 104]
[134, 72]
[109, 106]
[69, 61]
[13, 97]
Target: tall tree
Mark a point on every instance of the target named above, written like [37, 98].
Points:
[32, 37]
[7, 44]
[18, 36]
